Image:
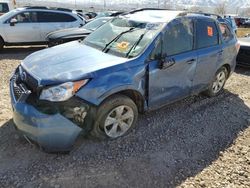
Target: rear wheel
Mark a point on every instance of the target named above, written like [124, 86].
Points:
[1, 43]
[115, 118]
[216, 87]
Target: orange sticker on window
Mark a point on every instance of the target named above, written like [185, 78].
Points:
[122, 45]
[210, 31]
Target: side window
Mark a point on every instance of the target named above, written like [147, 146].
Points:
[54, 17]
[156, 53]
[207, 34]
[179, 38]
[226, 33]
[26, 17]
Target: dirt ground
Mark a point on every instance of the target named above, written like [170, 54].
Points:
[197, 142]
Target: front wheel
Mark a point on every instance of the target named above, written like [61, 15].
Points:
[115, 118]
[1, 43]
[216, 87]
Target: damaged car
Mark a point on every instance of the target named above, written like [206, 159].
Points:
[134, 63]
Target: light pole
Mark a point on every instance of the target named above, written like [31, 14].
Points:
[104, 4]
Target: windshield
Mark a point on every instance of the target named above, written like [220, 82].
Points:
[123, 37]
[93, 25]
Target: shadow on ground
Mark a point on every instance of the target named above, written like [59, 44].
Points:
[167, 147]
[243, 70]
[19, 53]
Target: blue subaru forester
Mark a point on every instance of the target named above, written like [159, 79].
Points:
[136, 62]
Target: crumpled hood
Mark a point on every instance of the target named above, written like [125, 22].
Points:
[68, 32]
[67, 62]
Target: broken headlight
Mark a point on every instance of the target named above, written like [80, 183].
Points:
[62, 92]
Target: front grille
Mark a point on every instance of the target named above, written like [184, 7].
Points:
[31, 82]
[19, 89]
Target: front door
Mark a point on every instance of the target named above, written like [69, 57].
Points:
[26, 30]
[173, 80]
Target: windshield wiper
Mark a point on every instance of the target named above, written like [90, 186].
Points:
[136, 44]
[105, 49]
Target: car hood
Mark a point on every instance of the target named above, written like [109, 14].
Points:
[69, 32]
[68, 62]
[244, 41]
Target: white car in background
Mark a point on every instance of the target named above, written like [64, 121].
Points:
[31, 25]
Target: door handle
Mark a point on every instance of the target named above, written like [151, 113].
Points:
[191, 61]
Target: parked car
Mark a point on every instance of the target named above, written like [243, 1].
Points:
[243, 58]
[246, 24]
[31, 25]
[231, 22]
[67, 35]
[6, 6]
[134, 63]
[109, 14]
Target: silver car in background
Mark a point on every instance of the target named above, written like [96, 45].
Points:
[31, 25]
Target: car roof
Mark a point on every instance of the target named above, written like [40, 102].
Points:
[153, 15]
[164, 15]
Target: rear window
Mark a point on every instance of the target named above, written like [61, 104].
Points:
[4, 8]
[226, 33]
[207, 34]
[54, 17]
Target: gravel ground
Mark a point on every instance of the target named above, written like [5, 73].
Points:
[197, 142]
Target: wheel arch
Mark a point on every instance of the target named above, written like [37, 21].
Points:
[134, 95]
[1, 38]
[228, 67]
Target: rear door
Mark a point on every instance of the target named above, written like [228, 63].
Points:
[209, 52]
[26, 30]
[174, 81]
[229, 50]
[52, 21]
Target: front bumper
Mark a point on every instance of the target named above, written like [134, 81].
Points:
[53, 132]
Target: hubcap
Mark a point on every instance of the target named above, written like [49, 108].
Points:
[219, 82]
[119, 121]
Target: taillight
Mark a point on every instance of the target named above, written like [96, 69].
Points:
[237, 45]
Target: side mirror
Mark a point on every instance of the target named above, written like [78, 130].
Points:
[13, 22]
[166, 63]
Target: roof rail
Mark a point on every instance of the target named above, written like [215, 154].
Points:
[202, 13]
[63, 9]
[142, 9]
[36, 7]
[48, 8]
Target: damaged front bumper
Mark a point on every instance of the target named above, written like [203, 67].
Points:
[53, 130]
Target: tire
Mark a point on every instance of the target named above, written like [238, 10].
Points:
[111, 122]
[1, 44]
[216, 87]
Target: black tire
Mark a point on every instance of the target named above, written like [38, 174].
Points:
[104, 111]
[1, 44]
[210, 92]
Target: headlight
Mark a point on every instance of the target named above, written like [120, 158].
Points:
[62, 92]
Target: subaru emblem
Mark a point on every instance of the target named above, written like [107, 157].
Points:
[23, 76]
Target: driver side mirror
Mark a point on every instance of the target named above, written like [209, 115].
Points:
[13, 22]
[166, 62]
